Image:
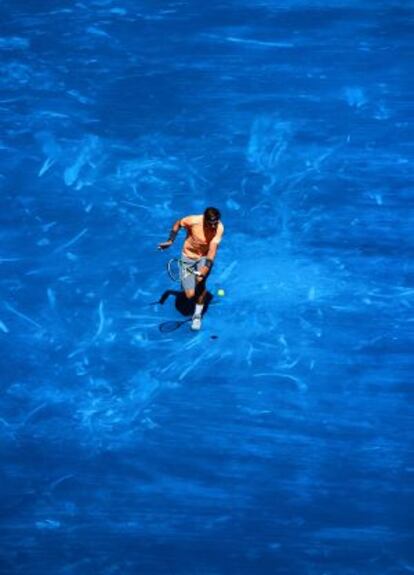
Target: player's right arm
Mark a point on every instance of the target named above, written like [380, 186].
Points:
[173, 234]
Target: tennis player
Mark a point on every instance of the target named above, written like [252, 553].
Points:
[204, 233]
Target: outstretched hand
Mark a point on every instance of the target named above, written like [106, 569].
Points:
[164, 245]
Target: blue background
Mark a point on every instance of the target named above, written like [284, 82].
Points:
[279, 439]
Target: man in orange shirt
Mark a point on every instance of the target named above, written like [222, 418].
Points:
[204, 233]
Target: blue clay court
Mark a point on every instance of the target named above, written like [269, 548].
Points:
[277, 440]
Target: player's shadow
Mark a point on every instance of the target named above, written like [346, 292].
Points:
[183, 305]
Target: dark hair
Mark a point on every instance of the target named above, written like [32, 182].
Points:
[212, 213]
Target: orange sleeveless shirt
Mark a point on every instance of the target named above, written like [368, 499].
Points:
[198, 241]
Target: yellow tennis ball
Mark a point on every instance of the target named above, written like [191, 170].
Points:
[221, 292]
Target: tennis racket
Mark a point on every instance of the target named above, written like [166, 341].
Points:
[179, 270]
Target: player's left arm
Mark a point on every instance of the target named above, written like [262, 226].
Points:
[211, 254]
[212, 251]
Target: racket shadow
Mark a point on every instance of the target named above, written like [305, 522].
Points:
[169, 326]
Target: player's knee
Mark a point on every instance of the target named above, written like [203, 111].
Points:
[189, 293]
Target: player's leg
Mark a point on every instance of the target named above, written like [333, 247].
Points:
[200, 297]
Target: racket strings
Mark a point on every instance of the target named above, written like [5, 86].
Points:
[179, 270]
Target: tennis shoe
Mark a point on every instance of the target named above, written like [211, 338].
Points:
[196, 323]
